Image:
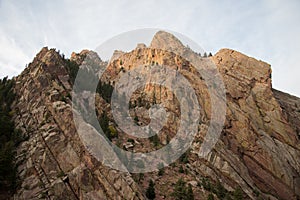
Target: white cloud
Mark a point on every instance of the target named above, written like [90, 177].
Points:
[12, 58]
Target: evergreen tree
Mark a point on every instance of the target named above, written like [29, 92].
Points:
[155, 140]
[161, 170]
[183, 192]
[150, 192]
[181, 169]
[238, 194]
[104, 123]
[184, 158]
[210, 196]
[105, 90]
[189, 193]
[206, 184]
[179, 190]
[220, 191]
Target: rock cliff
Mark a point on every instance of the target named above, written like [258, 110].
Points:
[256, 157]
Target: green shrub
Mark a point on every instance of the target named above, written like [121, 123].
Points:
[113, 132]
[183, 192]
[60, 174]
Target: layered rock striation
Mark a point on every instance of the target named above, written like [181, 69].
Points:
[258, 151]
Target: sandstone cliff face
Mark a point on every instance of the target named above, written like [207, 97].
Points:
[257, 130]
[258, 151]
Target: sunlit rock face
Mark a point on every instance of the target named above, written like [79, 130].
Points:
[258, 150]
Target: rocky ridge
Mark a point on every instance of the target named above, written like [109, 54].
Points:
[258, 151]
[55, 164]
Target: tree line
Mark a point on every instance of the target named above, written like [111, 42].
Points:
[10, 138]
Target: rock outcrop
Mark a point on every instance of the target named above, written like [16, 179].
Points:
[55, 164]
[258, 151]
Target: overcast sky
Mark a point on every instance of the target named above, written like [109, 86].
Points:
[267, 30]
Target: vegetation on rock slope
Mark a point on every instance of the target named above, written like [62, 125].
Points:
[9, 137]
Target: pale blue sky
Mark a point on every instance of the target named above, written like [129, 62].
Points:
[267, 30]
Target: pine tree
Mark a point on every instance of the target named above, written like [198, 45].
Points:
[179, 190]
[155, 140]
[220, 191]
[210, 196]
[150, 193]
[181, 169]
[238, 194]
[161, 170]
[183, 192]
[189, 193]
[104, 123]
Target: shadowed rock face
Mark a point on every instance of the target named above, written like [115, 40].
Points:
[258, 151]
